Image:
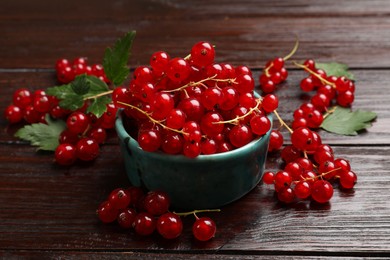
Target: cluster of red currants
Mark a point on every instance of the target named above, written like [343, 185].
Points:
[194, 106]
[310, 166]
[273, 74]
[32, 107]
[84, 131]
[66, 71]
[145, 213]
[83, 134]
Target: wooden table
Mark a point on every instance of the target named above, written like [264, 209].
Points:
[47, 211]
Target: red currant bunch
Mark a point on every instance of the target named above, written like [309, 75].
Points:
[144, 213]
[66, 70]
[193, 105]
[273, 74]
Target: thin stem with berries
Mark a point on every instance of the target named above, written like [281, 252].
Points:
[200, 82]
[282, 122]
[152, 119]
[288, 56]
[194, 212]
[315, 74]
[238, 118]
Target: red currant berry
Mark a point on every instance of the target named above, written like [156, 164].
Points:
[270, 103]
[119, 198]
[77, 122]
[87, 149]
[13, 114]
[275, 141]
[169, 225]
[240, 135]
[157, 202]
[286, 195]
[302, 190]
[321, 191]
[22, 98]
[106, 212]
[144, 224]
[348, 179]
[204, 229]
[126, 217]
[159, 61]
[178, 69]
[202, 54]
[149, 140]
[65, 154]
[268, 177]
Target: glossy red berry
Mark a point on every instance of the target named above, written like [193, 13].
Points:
[157, 202]
[13, 114]
[87, 149]
[119, 198]
[106, 212]
[126, 217]
[22, 98]
[202, 54]
[65, 154]
[144, 224]
[77, 122]
[321, 191]
[178, 69]
[169, 225]
[204, 229]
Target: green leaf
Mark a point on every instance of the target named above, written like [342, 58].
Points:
[72, 102]
[60, 92]
[115, 59]
[80, 85]
[343, 121]
[98, 106]
[45, 136]
[335, 69]
[97, 86]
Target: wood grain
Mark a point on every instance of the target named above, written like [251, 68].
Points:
[253, 34]
[48, 211]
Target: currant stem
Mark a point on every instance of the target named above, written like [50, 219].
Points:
[282, 122]
[200, 82]
[293, 51]
[315, 74]
[151, 118]
[194, 212]
[288, 56]
[99, 95]
[330, 111]
[319, 176]
[237, 118]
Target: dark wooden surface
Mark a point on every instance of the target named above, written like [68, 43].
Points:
[48, 211]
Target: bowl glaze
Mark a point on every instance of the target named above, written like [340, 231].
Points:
[204, 182]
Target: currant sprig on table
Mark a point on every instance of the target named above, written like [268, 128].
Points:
[146, 213]
[310, 166]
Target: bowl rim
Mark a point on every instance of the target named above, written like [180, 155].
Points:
[123, 135]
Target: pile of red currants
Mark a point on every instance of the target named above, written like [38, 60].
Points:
[194, 106]
[310, 166]
[145, 213]
[84, 131]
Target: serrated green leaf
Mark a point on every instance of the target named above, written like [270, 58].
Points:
[335, 69]
[72, 102]
[96, 85]
[45, 136]
[60, 92]
[343, 121]
[98, 106]
[115, 59]
[80, 85]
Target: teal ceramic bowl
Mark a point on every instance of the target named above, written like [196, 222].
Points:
[205, 182]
